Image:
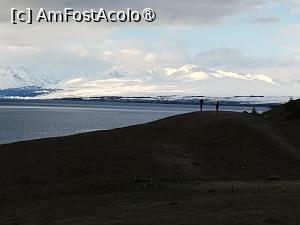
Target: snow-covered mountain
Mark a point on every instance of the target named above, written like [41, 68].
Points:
[25, 76]
[123, 81]
[184, 80]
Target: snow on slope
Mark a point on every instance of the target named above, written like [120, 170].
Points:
[123, 81]
[185, 80]
[194, 72]
[25, 76]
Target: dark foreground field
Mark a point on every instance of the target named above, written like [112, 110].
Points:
[158, 207]
[197, 168]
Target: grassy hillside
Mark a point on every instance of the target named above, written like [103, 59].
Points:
[72, 176]
[201, 146]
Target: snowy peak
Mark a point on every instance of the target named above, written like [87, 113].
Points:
[9, 78]
[25, 76]
[189, 68]
[194, 72]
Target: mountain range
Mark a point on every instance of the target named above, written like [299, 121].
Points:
[185, 80]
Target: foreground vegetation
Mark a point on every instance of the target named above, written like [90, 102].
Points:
[197, 168]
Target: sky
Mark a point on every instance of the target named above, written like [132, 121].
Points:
[247, 36]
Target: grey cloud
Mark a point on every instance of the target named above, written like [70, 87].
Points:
[263, 20]
[228, 58]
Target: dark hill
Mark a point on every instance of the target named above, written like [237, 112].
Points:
[201, 146]
[288, 111]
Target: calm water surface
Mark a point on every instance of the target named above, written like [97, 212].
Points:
[25, 120]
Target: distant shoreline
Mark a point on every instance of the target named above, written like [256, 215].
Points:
[243, 101]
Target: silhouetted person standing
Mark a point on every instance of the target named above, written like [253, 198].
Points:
[217, 107]
[201, 104]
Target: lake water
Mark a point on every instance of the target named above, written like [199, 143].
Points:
[25, 120]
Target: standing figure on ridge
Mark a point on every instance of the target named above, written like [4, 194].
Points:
[217, 107]
[201, 104]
